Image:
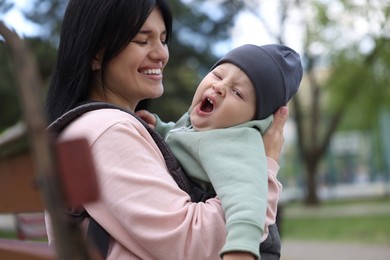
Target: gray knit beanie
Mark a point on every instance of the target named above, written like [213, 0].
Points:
[275, 71]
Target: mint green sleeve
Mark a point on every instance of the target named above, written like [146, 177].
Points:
[162, 127]
[235, 161]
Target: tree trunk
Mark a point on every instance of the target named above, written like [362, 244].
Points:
[311, 196]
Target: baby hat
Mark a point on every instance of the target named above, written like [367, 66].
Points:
[275, 71]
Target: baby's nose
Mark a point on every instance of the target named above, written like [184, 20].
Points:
[219, 88]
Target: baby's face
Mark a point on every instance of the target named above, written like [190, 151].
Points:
[224, 98]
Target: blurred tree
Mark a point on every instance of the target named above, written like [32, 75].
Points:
[45, 53]
[346, 61]
[10, 112]
[352, 39]
[48, 14]
[6, 5]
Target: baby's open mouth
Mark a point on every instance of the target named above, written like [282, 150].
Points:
[207, 105]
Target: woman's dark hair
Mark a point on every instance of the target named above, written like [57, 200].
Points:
[88, 27]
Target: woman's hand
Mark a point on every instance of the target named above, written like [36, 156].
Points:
[274, 138]
[238, 256]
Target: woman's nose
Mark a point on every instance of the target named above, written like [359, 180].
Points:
[160, 52]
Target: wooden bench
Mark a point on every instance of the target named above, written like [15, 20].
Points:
[21, 192]
[37, 173]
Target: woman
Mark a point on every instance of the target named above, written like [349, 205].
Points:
[115, 51]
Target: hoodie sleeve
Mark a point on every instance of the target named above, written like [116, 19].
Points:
[235, 161]
[162, 127]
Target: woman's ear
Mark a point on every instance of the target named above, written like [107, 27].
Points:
[96, 63]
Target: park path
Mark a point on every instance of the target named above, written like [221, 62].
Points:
[320, 250]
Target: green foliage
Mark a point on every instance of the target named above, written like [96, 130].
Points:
[45, 53]
[47, 14]
[10, 111]
[346, 84]
[360, 84]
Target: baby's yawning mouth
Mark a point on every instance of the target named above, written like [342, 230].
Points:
[207, 105]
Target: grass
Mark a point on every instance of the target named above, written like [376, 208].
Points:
[7, 234]
[368, 228]
[385, 201]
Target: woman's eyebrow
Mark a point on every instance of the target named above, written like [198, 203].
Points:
[147, 32]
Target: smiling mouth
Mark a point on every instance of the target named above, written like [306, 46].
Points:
[207, 105]
[152, 72]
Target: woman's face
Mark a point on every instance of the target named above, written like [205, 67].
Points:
[136, 73]
[224, 98]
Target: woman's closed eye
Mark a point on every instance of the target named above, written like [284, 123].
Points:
[164, 41]
[140, 42]
[147, 41]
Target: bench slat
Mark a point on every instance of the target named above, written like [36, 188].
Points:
[23, 250]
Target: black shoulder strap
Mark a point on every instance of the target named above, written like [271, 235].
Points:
[95, 231]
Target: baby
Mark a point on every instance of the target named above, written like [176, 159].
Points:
[218, 142]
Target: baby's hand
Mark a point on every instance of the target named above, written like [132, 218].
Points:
[148, 117]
